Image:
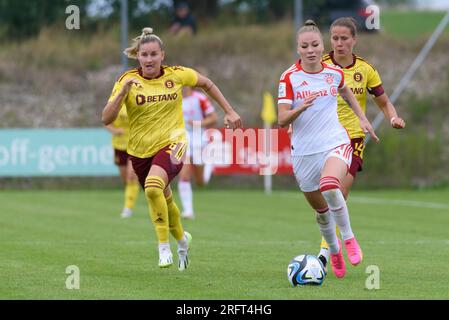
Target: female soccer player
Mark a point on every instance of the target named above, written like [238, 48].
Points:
[120, 131]
[321, 149]
[362, 78]
[152, 95]
[198, 113]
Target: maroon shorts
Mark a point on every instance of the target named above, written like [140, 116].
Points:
[120, 157]
[358, 145]
[169, 158]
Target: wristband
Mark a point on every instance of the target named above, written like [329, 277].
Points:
[392, 119]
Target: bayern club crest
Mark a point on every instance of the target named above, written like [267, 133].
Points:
[334, 91]
[329, 78]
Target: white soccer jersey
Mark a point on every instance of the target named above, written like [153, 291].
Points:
[316, 129]
[195, 108]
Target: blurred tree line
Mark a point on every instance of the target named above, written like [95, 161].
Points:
[23, 19]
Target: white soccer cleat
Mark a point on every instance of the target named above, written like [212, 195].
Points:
[183, 253]
[165, 258]
[188, 215]
[126, 213]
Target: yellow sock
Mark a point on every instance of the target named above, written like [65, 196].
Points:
[324, 243]
[131, 192]
[154, 192]
[174, 219]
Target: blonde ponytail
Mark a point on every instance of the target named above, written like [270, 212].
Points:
[146, 37]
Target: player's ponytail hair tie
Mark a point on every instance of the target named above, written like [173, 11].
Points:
[146, 37]
[147, 31]
[310, 23]
[309, 26]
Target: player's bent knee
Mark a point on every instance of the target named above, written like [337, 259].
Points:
[329, 183]
[153, 192]
[330, 189]
[154, 187]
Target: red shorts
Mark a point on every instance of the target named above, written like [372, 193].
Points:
[120, 157]
[358, 145]
[169, 158]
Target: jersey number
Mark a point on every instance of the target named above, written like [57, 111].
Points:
[177, 151]
[358, 148]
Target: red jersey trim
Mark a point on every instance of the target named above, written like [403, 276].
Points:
[288, 87]
[298, 65]
[159, 76]
[354, 60]
[290, 70]
[376, 91]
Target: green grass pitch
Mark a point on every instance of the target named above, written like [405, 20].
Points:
[242, 244]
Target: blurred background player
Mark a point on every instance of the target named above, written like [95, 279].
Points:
[120, 133]
[152, 95]
[362, 78]
[198, 111]
[321, 149]
[184, 22]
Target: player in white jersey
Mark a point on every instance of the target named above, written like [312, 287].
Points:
[321, 148]
[198, 113]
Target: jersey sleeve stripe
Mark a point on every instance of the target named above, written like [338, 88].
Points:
[293, 68]
[335, 69]
[286, 101]
[376, 91]
[126, 73]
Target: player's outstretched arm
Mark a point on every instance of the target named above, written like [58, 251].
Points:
[231, 119]
[350, 99]
[389, 111]
[112, 108]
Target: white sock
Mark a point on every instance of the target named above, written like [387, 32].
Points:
[185, 193]
[325, 253]
[163, 246]
[327, 229]
[207, 173]
[183, 243]
[339, 211]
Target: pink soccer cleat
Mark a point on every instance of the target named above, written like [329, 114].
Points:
[338, 262]
[354, 252]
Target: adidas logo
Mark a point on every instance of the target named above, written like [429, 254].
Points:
[304, 83]
[159, 220]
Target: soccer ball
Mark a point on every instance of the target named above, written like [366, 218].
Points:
[305, 269]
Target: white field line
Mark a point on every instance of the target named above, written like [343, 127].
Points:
[388, 202]
[397, 202]
[209, 243]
